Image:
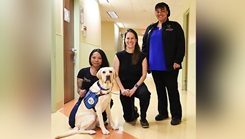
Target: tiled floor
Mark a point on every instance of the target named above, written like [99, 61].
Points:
[157, 129]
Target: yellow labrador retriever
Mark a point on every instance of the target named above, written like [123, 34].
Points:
[97, 100]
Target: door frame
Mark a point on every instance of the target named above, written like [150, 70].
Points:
[185, 60]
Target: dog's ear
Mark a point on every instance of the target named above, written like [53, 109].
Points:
[114, 73]
[98, 74]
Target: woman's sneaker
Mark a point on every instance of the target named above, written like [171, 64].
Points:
[160, 117]
[175, 121]
[144, 123]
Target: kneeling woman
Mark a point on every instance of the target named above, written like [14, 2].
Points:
[131, 65]
[86, 78]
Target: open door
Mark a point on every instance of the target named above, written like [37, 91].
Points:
[68, 26]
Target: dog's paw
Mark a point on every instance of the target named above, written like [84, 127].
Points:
[105, 132]
[86, 131]
[92, 132]
[114, 128]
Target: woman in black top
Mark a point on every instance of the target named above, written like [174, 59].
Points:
[131, 65]
[86, 78]
[164, 46]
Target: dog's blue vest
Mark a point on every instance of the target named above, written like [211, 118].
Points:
[91, 98]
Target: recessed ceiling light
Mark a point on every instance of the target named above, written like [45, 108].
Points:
[112, 14]
[121, 25]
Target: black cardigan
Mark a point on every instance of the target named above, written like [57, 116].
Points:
[173, 40]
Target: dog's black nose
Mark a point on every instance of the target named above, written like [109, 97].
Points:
[108, 77]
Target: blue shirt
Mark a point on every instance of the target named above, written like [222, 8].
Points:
[156, 51]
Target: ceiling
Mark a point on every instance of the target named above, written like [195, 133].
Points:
[138, 14]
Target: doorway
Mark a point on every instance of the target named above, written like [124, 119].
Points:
[185, 61]
[68, 28]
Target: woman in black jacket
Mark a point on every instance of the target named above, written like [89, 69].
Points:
[164, 46]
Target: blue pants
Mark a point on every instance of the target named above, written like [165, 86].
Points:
[74, 111]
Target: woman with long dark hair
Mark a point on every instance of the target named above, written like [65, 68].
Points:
[131, 65]
[86, 78]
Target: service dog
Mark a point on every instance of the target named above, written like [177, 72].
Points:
[88, 116]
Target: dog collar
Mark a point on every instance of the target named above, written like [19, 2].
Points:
[101, 88]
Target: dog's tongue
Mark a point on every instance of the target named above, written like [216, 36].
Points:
[108, 81]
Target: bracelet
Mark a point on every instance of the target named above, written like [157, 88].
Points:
[136, 85]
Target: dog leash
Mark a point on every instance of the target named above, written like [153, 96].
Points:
[115, 93]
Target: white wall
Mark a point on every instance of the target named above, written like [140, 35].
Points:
[191, 75]
[57, 57]
[92, 21]
[109, 36]
[191, 86]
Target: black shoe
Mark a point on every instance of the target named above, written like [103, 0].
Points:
[144, 123]
[160, 117]
[175, 121]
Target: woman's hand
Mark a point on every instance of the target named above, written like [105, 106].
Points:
[125, 92]
[82, 92]
[128, 92]
[176, 66]
[132, 91]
